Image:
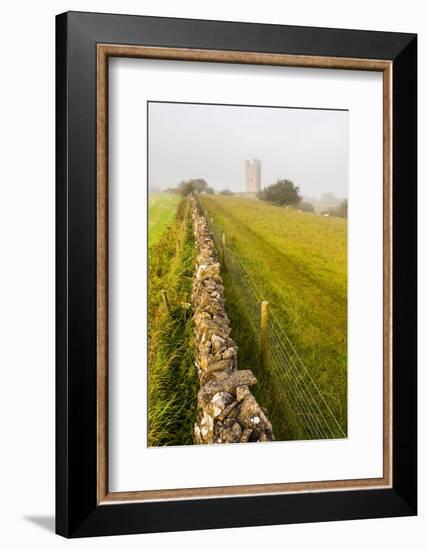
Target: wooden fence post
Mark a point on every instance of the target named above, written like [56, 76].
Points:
[223, 242]
[264, 320]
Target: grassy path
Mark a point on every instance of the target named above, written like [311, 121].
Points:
[162, 210]
[299, 262]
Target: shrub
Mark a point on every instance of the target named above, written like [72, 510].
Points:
[282, 192]
[340, 211]
[306, 206]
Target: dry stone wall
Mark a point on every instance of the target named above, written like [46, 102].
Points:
[227, 410]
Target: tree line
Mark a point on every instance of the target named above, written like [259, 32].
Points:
[284, 193]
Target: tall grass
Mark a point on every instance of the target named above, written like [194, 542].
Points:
[172, 376]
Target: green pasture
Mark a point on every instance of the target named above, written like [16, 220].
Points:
[162, 210]
[299, 262]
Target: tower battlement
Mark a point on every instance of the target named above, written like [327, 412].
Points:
[253, 172]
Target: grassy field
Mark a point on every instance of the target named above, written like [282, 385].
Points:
[162, 209]
[172, 376]
[299, 262]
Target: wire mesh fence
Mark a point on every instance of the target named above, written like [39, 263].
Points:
[306, 411]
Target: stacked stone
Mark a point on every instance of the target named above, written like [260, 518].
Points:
[228, 411]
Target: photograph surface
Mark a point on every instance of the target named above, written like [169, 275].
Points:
[247, 273]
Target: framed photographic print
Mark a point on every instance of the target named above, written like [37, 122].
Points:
[236, 274]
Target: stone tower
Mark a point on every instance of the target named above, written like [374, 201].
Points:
[253, 172]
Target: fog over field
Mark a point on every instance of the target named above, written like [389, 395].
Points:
[310, 147]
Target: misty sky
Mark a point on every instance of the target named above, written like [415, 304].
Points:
[310, 147]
